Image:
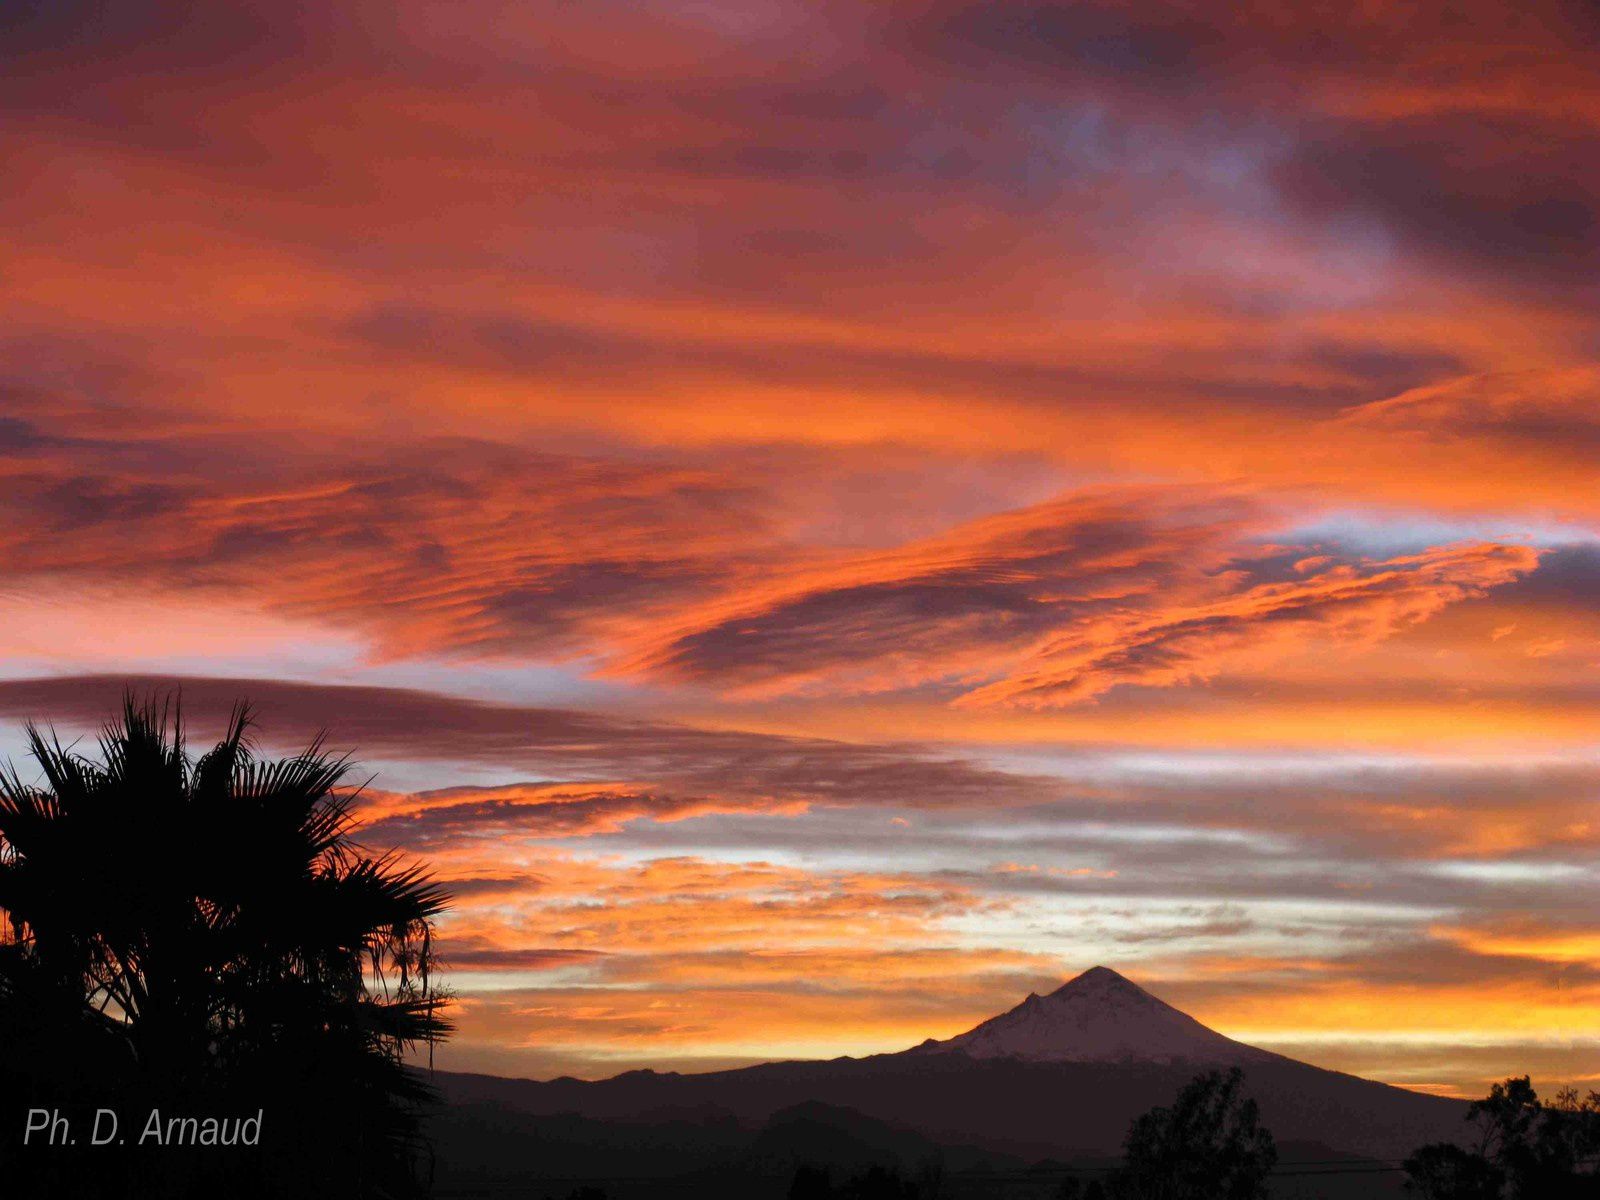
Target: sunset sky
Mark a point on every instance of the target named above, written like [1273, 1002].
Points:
[823, 518]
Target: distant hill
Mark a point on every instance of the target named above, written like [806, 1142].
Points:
[1057, 1077]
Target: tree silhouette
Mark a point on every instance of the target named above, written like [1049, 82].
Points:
[877, 1182]
[183, 932]
[1525, 1149]
[1209, 1145]
[1447, 1172]
[1073, 1188]
[811, 1182]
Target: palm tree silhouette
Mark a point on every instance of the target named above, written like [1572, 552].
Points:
[205, 928]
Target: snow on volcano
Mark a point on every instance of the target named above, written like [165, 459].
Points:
[1098, 1017]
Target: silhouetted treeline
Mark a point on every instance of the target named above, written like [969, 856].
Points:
[199, 939]
[1207, 1145]
[1521, 1148]
[872, 1183]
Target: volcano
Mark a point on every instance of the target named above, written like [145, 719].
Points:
[1099, 1017]
[1059, 1076]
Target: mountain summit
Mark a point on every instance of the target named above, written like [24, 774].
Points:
[1099, 1017]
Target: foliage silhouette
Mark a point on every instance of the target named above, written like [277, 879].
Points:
[872, 1183]
[1073, 1188]
[1525, 1149]
[1443, 1171]
[811, 1183]
[1209, 1145]
[202, 936]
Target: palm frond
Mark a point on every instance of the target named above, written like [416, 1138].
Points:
[215, 914]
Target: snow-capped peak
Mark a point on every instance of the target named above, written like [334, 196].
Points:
[1098, 1017]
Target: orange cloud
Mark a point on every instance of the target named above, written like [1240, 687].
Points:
[1062, 602]
[679, 953]
[1526, 938]
[551, 810]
